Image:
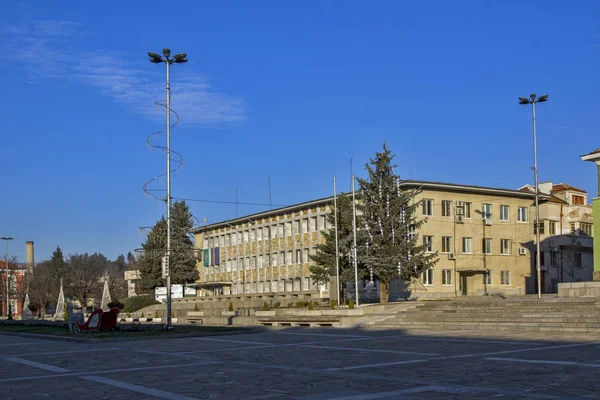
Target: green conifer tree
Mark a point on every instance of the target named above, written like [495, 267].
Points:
[391, 248]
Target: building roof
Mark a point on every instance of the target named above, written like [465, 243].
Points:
[12, 266]
[403, 184]
[559, 187]
[593, 156]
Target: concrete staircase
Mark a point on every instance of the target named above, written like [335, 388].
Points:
[512, 314]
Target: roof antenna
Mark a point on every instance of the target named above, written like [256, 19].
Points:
[351, 175]
[236, 202]
[415, 151]
[270, 196]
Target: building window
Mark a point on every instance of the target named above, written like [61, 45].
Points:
[446, 277]
[428, 243]
[586, 229]
[572, 228]
[252, 235]
[552, 226]
[322, 222]
[304, 225]
[288, 258]
[578, 200]
[313, 224]
[468, 207]
[487, 246]
[280, 230]
[553, 258]
[487, 278]
[486, 211]
[295, 227]
[504, 212]
[505, 247]
[505, 278]
[205, 244]
[467, 245]
[577, 260]
[273, 231]
[245, 236]
[428, 277]
[427, 207]
[298, 256]
[305, 256]
[539, 226]
[446, 244]
[288, 229]
[266, 233]
[446, 208]
[274, 259]
[522, 214]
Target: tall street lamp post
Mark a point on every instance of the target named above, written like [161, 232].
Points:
[6, 239]
[533, 101]
[178, 59]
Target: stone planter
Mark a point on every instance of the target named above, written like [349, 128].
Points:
[142, 319]
[266, 313]
[128, 319]
[156, 319]
[228, 313]
[173, 320]
[195, 314]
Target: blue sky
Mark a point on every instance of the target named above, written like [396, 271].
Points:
[286, 90]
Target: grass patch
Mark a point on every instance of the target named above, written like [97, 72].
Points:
[177, 330]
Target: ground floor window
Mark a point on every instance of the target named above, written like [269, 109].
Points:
[428, 277]
[505, 278]
[447, 277]
[487, 278]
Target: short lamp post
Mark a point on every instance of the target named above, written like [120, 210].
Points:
[533, 100]
[178, 59]
[8, 311]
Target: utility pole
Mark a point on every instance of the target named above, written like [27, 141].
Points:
[337, 247]
[354, 261]
[8, 313]
[179, 59]
[532, 100]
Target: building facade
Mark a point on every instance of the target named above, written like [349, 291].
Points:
[267, 252]
[482, 236]
[566, 234]
[16, 286]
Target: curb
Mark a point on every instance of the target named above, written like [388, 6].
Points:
[131, 339]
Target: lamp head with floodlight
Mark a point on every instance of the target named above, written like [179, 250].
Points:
[524, 100]
[542, 98]
[167, 52]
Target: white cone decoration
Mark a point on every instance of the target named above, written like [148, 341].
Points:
[26, 314]
[60, 306]
[105, 296]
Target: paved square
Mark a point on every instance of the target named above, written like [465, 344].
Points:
[308, 364]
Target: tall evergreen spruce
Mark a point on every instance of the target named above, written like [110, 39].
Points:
[183, 260]
[390, 248]
[324, 258]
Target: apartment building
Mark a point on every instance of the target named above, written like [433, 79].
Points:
[267, 252]
[482, 236]
[566, 234]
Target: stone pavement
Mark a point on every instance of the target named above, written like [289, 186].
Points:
[307, 364]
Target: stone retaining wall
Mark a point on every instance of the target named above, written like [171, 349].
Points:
[579, 289]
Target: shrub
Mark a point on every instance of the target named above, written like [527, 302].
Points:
[155, 314]
[172, 314]
[230, 306]
[66, 314]
[310, 305]
[351, 304]
[333, 304]
[301, 304]
[277, 305]
[142, 315]
[265, 306]
[131, 304]
[195, 307]
[291, 304]
[34, 306]
[116, 303]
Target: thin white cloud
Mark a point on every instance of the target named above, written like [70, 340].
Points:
[52, 49]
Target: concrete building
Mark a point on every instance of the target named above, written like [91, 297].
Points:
[482, 236]
[267, 252]
[566, 234]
